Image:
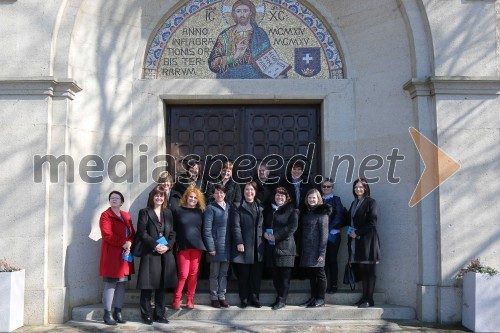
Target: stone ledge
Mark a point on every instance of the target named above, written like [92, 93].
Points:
[36, 86]
[452, 85]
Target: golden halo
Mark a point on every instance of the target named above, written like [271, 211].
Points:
[227, 5]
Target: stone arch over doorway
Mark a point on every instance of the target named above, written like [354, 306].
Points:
[337, 98]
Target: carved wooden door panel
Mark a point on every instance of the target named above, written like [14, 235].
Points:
[259, 130]
[284, 130]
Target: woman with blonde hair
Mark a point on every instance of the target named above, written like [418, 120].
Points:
[315, 235]
[233, 190]
[188, 221]
[172, 196]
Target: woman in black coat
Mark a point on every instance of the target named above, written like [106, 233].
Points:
[248, 246]
[314, 238]
[157, 269]
[363, 243]
[336, 221]
[233, 190]
[280, 223]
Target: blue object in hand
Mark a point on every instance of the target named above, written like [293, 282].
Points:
[162, 240]
[129, 258]
[270, 231]
[349, 229]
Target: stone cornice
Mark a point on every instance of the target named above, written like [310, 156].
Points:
[453, 85]
[33, 86]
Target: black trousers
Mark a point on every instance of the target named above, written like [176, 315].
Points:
[366, 272]
[145, 302]
[281, 280]
[317, 280]
[332, 268]
[249, 279]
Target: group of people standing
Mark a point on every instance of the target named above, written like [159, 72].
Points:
[291, 229]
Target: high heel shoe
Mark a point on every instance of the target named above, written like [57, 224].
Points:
[108, 319]
[176, 304]
[308, 302]
[190, 303]
[117, 315]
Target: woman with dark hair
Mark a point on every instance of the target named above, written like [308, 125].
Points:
[233, 190]
[188, 225]
[157, 268]
[314, 238]
[280, 223]
[217, 237]
[172, 196]
[363, 242]
[248, 247]
[336, 221]
[117, 235]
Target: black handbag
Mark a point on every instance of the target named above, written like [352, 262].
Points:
[349, 276]
[137, 247]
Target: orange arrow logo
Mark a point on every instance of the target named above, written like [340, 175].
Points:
[439, 166]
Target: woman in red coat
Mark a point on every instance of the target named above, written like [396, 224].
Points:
[117, 235]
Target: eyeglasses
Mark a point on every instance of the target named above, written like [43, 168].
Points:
[327, 186]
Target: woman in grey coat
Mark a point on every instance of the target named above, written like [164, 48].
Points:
[217, 238]
[315, 238]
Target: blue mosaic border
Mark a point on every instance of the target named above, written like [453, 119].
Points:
[164, 33]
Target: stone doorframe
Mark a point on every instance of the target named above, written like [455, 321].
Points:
[336, 98]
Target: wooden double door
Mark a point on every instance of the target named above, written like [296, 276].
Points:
[265, 132]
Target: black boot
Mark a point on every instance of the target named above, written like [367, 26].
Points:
[108, 320]
[280, 304]
[117, 315]
[276, 301]
[146, 319]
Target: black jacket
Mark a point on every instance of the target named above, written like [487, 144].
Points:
[264, 191]
[150, 268]
[284, 223]
[246, 229]
[233, 192]
[303, 189]
[367, 246]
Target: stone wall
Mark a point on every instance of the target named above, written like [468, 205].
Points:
[54, 49]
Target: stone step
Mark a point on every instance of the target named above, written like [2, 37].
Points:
[342, 297]
[290, 313]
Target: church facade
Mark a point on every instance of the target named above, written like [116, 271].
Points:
[100, 95]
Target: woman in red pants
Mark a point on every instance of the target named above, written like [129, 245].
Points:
[188, 220]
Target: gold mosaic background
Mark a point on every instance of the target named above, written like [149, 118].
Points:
[186, 53]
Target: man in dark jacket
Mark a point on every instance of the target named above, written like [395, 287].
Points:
[296, 185]
[265, 187]
[190, 178]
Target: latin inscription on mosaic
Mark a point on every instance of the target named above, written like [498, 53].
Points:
[243, 39]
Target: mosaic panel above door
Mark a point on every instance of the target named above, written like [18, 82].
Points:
[243, 39]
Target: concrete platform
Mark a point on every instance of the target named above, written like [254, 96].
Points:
[253, 326]
[290, 313]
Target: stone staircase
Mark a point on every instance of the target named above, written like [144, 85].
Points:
[338, 307]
